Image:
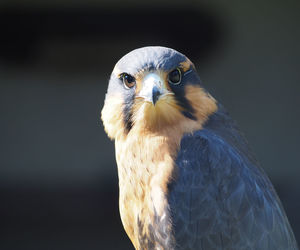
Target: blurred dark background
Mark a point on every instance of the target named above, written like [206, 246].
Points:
[58, 177]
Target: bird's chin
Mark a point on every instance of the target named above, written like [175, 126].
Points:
[156, 117]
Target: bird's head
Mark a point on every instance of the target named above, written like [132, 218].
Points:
[154, 89]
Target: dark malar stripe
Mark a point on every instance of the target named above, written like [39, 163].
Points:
[127, 112]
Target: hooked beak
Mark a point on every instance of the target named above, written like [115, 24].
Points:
[153, 88]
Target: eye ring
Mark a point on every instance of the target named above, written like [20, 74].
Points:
[128, 80]
[174, 76]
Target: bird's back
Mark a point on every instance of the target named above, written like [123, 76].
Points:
[221, 199]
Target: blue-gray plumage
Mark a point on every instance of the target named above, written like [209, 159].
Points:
[187, 177]
[222, 199]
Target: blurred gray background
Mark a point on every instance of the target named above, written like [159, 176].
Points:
[58, 177]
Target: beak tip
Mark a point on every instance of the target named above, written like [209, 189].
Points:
[155, 95]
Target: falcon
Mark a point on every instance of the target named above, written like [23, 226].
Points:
[187, 179]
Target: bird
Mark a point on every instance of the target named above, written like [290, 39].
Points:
[187, 176]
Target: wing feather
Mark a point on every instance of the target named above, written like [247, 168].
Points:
[222, 200]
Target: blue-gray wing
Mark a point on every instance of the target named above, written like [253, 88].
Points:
[221, 200]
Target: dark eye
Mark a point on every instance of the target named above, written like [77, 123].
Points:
[174, 77]
[128, 80]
